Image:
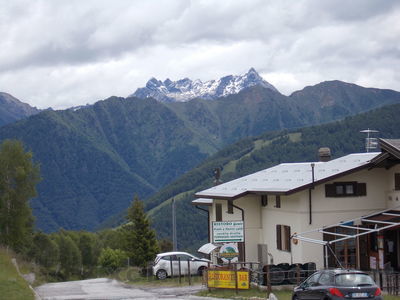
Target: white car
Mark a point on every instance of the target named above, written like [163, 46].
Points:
[162, 264]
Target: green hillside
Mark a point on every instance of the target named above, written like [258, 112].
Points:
[251, 155]
[12, 285]
[96, 158]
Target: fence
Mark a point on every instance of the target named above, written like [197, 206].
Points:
[387, 281]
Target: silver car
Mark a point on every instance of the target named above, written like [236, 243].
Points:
[162, 264]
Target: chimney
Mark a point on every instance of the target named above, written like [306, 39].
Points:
[324, 154]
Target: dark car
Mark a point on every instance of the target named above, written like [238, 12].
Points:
[338, 284]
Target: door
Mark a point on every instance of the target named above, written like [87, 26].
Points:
[309, 288]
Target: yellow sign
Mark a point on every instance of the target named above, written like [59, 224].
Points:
[226, 279]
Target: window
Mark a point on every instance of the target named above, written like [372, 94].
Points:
[264, 200]
[326, 279]
[218, 212]
[397, 181]
[183, 257]
[312, 280]
[283, 237]
[278, 201]
[345, 189]
[230, 206]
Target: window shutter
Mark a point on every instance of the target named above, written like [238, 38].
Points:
[361, 189]
[397, 181]
[287, 237]
[264, 200]
[330, 190]
[278, 201]
[218, 212]
[278, 237]
[230, 206]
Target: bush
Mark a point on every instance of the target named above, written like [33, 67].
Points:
[112, 259]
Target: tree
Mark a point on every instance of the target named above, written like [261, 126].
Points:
[112, 259]
[89, 248]
[70, 257]
[165, 245]
[44, 251]
[140, 239]
[18, 178]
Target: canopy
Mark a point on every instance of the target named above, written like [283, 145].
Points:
[374, 222]
[208, 248]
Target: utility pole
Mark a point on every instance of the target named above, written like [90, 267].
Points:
[174, 239]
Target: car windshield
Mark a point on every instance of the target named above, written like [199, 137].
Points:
[353, 279]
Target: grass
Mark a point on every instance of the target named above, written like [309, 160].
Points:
[12, 286]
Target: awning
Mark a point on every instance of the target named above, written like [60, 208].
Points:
[208, 248]
[374, 222]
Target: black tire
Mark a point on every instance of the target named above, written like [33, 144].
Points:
[161, 274]
[201, 270]
[295, 297]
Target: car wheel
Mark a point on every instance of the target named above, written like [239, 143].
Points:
[295, 297]
[200, 271]
[161, 274]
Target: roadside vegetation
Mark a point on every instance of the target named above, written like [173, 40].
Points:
[63, 255]
[12, 285]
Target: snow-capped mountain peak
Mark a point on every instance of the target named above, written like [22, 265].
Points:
[186, 89]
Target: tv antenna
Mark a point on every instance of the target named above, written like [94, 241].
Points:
[371, 143]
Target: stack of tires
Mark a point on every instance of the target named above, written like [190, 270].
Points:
[288, 274]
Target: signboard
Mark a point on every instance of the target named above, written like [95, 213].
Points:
[228, 231]
[372, 262]
[229, 252]
[226, 279]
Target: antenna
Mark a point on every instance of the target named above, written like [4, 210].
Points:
[370, 142]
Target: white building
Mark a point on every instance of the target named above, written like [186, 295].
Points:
[286, 206]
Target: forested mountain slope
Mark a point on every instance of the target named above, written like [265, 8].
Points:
[96, 158]
[254, 154]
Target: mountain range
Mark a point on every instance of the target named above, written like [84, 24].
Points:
[12, 109]
[96, 158]
[185, 89]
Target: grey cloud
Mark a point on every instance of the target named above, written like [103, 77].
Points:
[67, 44]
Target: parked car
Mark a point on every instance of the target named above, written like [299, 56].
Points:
[162, 264]
[338, 284]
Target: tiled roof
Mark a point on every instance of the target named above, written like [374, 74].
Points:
[287, 177]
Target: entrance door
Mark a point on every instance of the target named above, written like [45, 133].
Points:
[390, 246]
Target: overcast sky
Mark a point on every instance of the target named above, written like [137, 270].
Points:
[62, 53]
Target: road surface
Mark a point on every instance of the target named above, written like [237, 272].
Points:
[109, 289]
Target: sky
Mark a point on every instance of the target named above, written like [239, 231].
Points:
[64, 53]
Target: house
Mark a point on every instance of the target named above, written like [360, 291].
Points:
[344, 211]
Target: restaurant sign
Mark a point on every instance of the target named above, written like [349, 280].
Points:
[228, 231]
[226, 279]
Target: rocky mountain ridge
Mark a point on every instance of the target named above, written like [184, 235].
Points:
[185, 89]
[12, 109]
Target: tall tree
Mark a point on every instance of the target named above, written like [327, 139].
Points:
[70, 256]
[18, 178]
[45, 251]
[140, 239]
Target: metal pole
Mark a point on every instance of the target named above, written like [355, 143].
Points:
[174, 240]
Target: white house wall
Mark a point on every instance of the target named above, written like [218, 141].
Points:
[392, 196]
[260, 222]
[294, 212]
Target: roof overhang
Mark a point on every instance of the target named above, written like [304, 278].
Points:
[374, 222]
[202, 201]
[390, 155]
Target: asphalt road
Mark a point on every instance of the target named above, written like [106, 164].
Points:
[108, 289]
